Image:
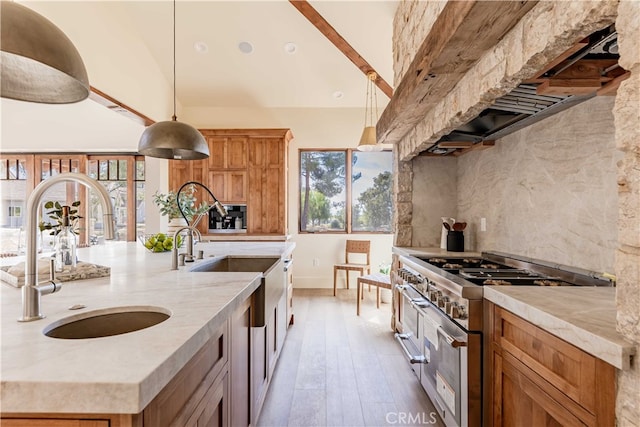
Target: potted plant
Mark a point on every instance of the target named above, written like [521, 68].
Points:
[168, 204]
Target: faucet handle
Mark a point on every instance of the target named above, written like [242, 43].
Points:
[52, 269]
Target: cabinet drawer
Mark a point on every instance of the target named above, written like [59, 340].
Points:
[577, 374]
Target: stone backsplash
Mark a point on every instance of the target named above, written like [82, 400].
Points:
[547, 191]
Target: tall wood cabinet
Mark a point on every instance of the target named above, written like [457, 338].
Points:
[245, 166]
[535, 378]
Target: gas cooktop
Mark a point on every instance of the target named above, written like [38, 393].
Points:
[488, 271]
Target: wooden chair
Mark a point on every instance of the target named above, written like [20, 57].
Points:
[353, 247]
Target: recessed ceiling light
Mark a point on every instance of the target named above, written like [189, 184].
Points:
[290, 48]
[200, 47]
[338, 94]
[245, 47]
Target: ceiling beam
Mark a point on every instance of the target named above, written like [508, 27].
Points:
[343, 46]
[118, 107]
[461, 34]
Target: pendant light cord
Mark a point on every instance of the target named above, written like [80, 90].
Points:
[174, 118]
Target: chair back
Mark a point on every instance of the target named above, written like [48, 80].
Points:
[357, 247]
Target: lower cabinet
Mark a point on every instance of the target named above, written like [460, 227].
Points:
[240, 364]
[199, 394]
[535, 378]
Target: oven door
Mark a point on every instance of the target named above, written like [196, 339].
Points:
[444, 376]
[412, 323]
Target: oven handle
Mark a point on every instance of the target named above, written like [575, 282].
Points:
[453, 342]
[412, 359]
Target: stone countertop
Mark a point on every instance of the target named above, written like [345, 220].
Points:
[119, 374]
[583, 316]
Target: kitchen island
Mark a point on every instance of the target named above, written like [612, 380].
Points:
[120, 374]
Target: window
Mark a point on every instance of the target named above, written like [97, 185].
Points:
[122, 175]
[330, 202]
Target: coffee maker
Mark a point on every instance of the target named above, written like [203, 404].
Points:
[234, 222]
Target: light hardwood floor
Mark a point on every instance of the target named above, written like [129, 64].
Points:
[339, 369]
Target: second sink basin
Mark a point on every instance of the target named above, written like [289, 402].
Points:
[107, 322]
[236, 264]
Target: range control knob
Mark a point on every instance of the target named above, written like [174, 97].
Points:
[442, 300]
[454, 310]
[434, 295]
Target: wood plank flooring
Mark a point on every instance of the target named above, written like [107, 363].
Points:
[339, 369]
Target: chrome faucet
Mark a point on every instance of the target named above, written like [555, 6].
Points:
[31, 291]
[191, 227]
[189, 254]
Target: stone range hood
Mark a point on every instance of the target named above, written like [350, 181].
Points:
[525, 105]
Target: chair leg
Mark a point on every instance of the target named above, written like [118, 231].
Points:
[378, 296]
[335, 274]
[359, 289]
[347, 273]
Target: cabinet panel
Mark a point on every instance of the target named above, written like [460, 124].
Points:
[535, 378]
[229, 187]
[568, 368]
[260, 369]
[524, 402]
[240, 366]
[217, 152]
[181, 398]
[237, 153]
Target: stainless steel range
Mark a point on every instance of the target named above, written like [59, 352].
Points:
[439, 320]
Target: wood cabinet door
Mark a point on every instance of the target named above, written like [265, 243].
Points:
[267, 186]
[522, 402]
[229, 187]
[217, 152]
[237, 153]
[240, 366]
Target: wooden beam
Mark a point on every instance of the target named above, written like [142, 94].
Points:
[566, 54]
[343, 46]
[612, 87]
[568, 86]
[120, 108]
[461, 34]
[455, 144]
[482, 145]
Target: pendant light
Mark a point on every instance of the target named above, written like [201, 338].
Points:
[172, 139]
[39, 62]
[368, 140]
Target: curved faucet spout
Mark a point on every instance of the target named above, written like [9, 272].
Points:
[216, 202]
[30, 291]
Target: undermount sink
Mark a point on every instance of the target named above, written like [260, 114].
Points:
[236, 264]
[107, 322]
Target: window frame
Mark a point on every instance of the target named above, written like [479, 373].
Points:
[348, 192]
[33, 166]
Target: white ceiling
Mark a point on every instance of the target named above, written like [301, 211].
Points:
[223, 76]
[268, 77]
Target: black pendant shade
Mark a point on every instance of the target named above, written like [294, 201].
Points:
[39, 62]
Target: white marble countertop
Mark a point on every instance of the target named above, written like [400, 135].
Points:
[430, 252]
[119, 374]
[583, 316]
